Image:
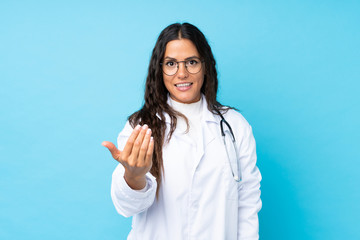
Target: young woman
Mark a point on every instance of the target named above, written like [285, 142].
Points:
[187, 163]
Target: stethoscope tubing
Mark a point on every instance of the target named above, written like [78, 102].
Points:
[237, 173]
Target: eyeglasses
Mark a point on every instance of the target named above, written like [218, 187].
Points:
[170, 67]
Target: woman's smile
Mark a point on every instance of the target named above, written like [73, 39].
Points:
[183, 86]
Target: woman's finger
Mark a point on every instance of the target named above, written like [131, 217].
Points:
[144, 146]
[130, 142]
[149, 153]
[113, 149]
[138, 142]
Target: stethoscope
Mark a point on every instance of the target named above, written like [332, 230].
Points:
[232, 154]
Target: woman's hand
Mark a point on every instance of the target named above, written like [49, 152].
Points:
[136, 156]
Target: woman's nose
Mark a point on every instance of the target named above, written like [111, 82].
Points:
[182, 72]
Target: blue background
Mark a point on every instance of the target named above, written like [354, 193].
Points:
[72, 71]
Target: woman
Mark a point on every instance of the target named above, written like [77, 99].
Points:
[178, 177]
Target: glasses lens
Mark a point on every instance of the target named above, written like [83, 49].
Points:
[170, 67]
[193, 65]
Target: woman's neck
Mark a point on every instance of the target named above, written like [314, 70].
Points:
[188, 109]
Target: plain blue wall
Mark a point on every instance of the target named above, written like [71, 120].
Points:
[72, 71]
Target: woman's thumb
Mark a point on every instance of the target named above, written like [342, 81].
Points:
[112, 148]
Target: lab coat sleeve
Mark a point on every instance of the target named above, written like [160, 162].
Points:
[249, 189]
[127, 201]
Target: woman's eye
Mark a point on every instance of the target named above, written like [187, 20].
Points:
[170, 64]
[192, 62]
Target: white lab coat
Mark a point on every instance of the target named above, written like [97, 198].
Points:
[203, 202]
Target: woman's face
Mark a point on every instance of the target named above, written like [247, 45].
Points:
[184, 87]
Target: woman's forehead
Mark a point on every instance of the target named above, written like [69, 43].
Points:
[181, 49]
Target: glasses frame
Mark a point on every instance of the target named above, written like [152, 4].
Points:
[177, 66]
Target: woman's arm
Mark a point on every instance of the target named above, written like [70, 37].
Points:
[128, 201]
[249, 189]
[133, 188]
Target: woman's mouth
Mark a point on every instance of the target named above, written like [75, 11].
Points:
[183, 86]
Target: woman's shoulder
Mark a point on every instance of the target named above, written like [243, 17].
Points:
[237, 121]
[236, 117]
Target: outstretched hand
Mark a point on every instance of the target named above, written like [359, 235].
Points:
[136, 156]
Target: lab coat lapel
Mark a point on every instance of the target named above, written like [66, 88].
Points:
[209, 119]
[178, 133]
[209, 123]
[208, 134]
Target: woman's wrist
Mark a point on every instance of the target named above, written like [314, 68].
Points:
[136, 183]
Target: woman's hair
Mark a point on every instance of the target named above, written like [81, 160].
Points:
[156, 94]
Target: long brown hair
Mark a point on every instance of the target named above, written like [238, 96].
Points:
[156, 93]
